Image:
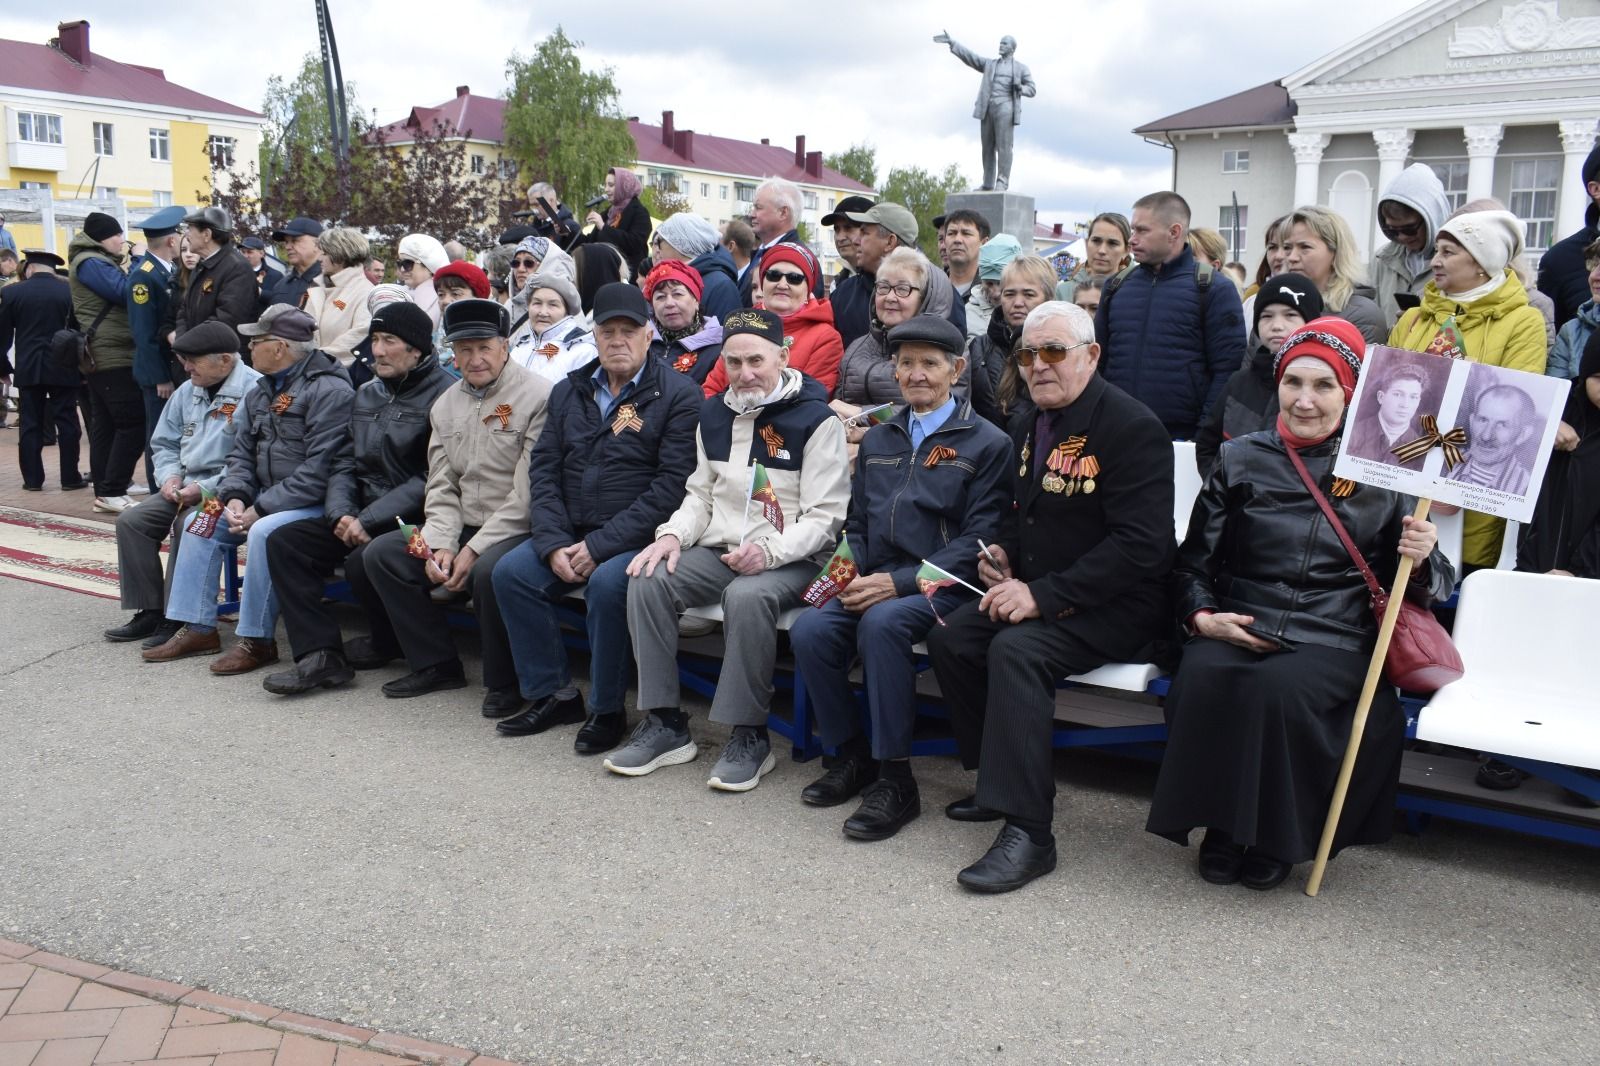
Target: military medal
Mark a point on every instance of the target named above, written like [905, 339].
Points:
[1027, 450]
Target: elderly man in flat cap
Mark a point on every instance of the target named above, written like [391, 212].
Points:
[475, 511]
[930, 485]
[377, 485]
[764, 506]
[191, 442]
[293, 430]
[222, 287]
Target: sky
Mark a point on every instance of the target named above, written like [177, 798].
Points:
[873, 75]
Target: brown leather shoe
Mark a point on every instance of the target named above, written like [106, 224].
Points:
[184, 643]
[250, 653]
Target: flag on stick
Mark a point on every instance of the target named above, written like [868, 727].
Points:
[931, 579]
[204, 522]
[761, 492]
[840, 570]
[415, 545]
[875, 416]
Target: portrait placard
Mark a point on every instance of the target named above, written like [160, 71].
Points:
[1451, 431]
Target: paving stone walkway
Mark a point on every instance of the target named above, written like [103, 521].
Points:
[56, 1011]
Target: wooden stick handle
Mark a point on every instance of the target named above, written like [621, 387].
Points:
[1358, 725]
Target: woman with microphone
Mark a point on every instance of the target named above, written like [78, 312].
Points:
[626, 226]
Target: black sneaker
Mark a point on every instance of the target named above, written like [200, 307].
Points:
[324, 668]
[165, 630]
[844, 780]
[141, 625]
[429, 679]
[887, 805]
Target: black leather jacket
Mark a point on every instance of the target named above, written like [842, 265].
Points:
[1258, 544]
[383, 476]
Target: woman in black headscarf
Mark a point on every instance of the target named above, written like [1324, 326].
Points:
[597, 265]
[626, 223]
[1564, 536]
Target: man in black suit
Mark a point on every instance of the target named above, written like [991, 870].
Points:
[775, 216]
[31, 310]
[1079, 580]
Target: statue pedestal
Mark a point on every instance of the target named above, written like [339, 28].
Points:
[1007, 212]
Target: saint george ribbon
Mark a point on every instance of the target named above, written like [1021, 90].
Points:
[1452, 443]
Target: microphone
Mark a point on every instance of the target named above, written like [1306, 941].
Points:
[595, 202]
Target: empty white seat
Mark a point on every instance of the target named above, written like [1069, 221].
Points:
[1128, 677]
[713, 613]
[1525, 692]
[1186, 485]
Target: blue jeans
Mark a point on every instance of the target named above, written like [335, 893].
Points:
[199, 566]
[528, 592]
[825, 642]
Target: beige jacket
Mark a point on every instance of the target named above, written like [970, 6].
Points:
[717, 512]
[478, 463]
[339, 304]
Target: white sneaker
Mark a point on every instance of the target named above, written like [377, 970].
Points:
[113, 504]
[139, 489]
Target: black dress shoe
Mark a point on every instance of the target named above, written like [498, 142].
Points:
[324, 668]
[33, 488]
[966, 809]
[542, 715]
[1261, 872]
[141, 625]
[887, 805]
[1011, 862]
[1220, 858]
[73, 485]
[601, 733]
[500, 702]
[428, 679]
[165, 630]
[363, 653]
[844, 779]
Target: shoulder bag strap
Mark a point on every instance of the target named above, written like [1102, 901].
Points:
[1373, 587]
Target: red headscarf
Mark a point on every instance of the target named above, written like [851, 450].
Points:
[796, 254]
[1336, 343]
[674, 270]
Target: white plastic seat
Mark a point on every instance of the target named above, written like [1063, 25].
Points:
[1525, 693]
[1186, 485]
[1127, 677]
[1449, 527]
[713, 613]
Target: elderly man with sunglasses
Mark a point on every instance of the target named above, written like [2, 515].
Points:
[1077, 580]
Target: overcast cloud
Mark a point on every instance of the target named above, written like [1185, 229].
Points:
[1102, 68]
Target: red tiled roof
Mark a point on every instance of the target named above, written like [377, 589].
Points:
[44, 69]
[1265, 105]
[482, 118]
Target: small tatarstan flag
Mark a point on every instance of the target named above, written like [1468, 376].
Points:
[761, 491]
[930, 579]
[838, 573]
[877, 416]
[1447, 342]
[415, 545]
[204, 522]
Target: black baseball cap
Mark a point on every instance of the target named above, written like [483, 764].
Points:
[620, 300]
[299, 226]
[255, 243]
[849, 203]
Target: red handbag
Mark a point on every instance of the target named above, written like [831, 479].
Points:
[1422, 658]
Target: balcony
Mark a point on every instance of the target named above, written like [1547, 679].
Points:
[35, 156]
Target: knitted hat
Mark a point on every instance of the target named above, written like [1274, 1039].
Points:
[689, 234]
[100, 226]
[388, 293]
[1294, 291]
[996, 252]
[797, 254]
[558, 283]
[674, 270]
[407, 321]
[425, 250]
[1332, 340]
[474, 277]
[1492, 238]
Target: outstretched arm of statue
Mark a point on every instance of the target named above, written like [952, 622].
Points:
[961, 52]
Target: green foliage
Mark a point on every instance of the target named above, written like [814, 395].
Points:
[297, 157]
[923, 195]
[859, 161]
[562, 122]
[662, 205]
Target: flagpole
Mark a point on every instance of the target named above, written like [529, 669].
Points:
[952, 577]
[1358, 724]
[749, 491]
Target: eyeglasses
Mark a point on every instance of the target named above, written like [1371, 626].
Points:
[528, 264]
[264, 338]
[782, 275]
[407, 264]
[901, 289]
[1045, 353]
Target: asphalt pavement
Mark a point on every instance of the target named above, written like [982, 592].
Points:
[397, 865]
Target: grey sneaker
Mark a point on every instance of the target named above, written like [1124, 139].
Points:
[745, 758]
[652, 746]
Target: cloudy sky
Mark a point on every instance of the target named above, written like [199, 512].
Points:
[870, 72]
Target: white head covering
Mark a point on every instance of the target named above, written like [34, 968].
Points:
[425, 250]
[689, 234]
[1492, 238]
[388, 293]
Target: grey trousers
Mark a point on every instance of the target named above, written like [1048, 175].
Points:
[997, 131]
[140, 531]
[751, 604]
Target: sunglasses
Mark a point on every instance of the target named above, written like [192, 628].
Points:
[527, 264]
[407, 264]
[1404, 231]
[781, 275]
[1045, 353]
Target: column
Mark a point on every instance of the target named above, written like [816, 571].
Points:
[1393, 147]
[1577, 137]
[1483, 144]
[1308, 149]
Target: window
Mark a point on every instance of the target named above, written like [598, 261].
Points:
[40, 129]
[705, 190]
[160, 198]
[102, 138]
[1225, 226]
[222, 151]
[1235, 161]
[810, 199]
[832, 203]
[477, 164]
[724, 189]
[1533, 199]
[41, 186]
[744, 191]
[160, 147]
[1454, 178]
[105, 192]
[662, 180]
[506, 168]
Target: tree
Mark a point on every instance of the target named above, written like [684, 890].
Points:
[661, 204]
[923, 195]
[300, 173]
[562, 123]
[859, 161]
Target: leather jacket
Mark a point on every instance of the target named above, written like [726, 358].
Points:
[1258, 544]
[381, 478]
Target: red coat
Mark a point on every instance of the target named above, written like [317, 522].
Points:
[815, 349]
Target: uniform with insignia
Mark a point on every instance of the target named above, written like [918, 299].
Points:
[152, 288]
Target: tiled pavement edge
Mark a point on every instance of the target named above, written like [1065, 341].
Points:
[57, 1011]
